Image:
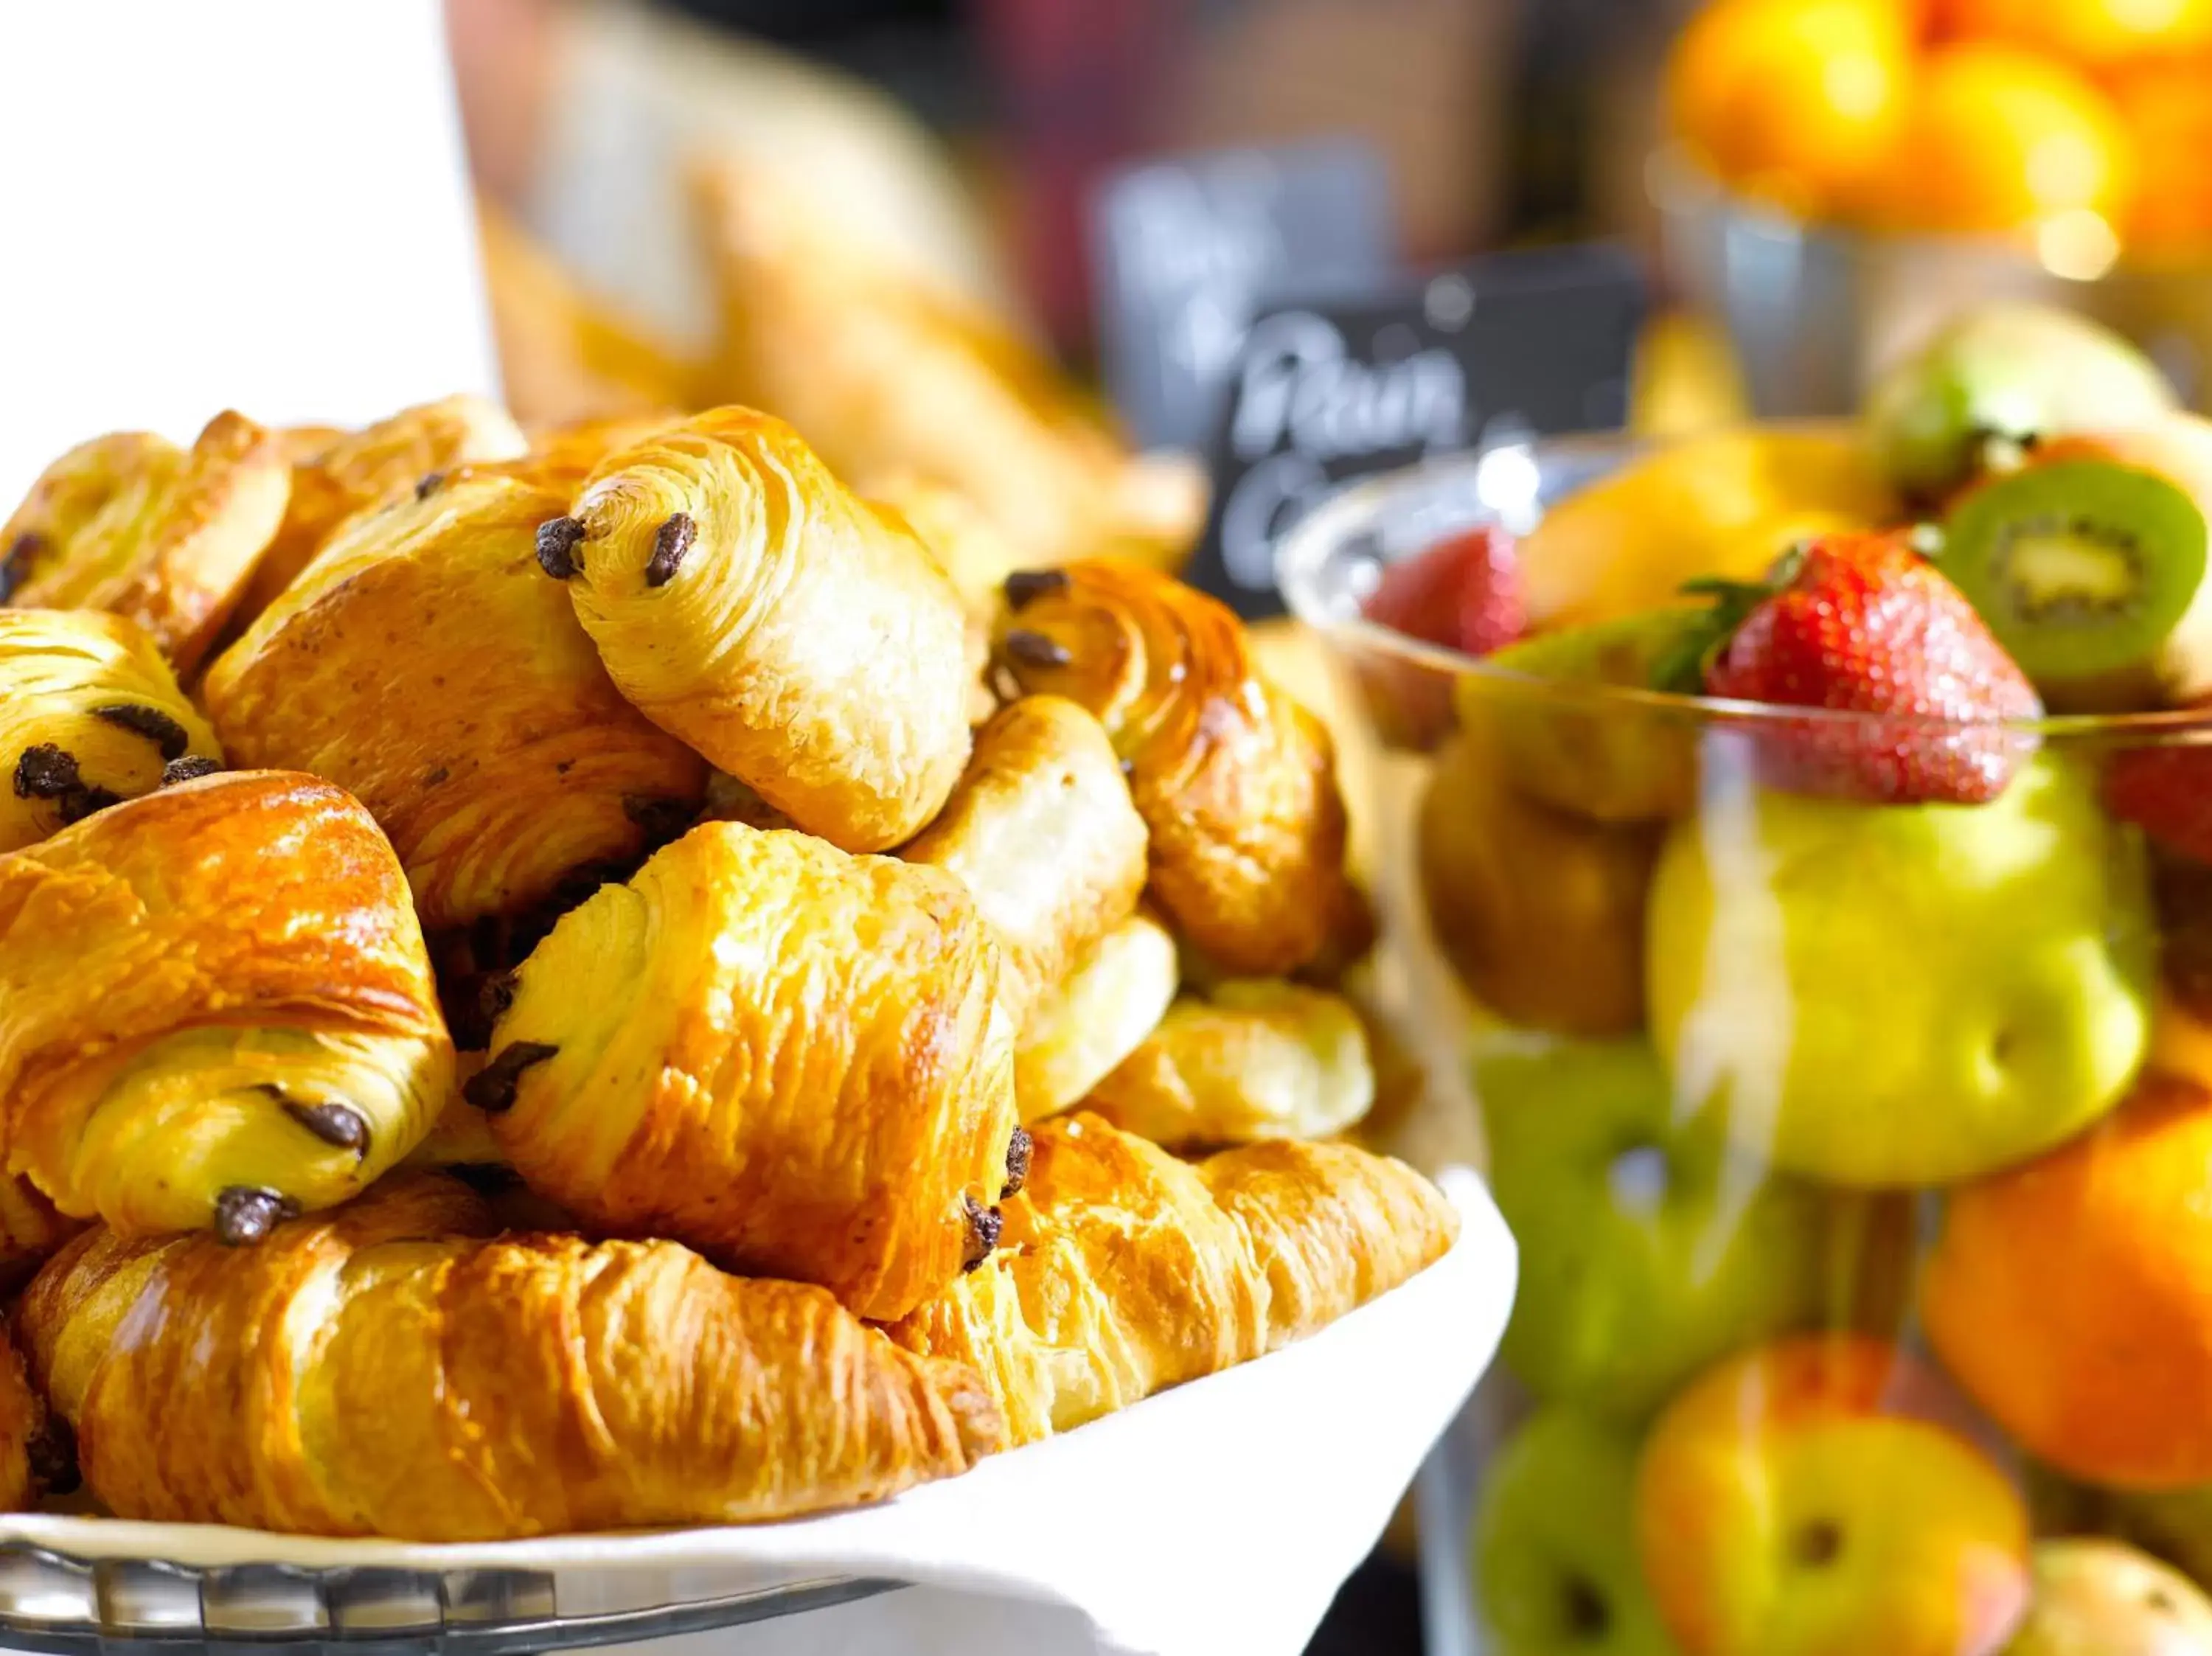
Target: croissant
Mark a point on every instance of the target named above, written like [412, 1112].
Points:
[1252, 1060]
[386, 1370]
[1075, 1036]
[457, 698]
[1237, 782]
[167, 536]
[1124, 1271]
[889, 378]
[214, 1006]
[1042, 832]
[793, 1060]
[89, 714]
[746, 603]
[563, 355]
[365, 468]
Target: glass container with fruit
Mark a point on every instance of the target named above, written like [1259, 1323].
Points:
[1840, 172]
[1814, 824]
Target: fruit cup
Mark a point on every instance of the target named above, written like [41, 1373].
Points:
[1846, 1074]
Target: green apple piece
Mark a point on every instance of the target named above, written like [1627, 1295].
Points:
[1649, 1247]
[1566, 737]
[1555, 1566]
[2099, 1598]
[1901, 995]
[2010, 371]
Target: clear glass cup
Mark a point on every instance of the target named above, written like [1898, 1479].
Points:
[1859, 1156]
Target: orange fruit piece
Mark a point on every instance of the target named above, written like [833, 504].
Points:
[2072, 1296]
[1794, 101]
[2098, 34]
[1995, 138]
[2166, 104]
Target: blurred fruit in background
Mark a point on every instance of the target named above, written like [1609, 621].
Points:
[2081, 127]
[1795, 101]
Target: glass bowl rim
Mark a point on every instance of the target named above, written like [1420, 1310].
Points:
[1306, 548]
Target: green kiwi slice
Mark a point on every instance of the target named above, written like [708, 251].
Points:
[2083, 569]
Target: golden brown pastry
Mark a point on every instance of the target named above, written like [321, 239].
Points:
[747, 602]
[1254, 1059]
[563, 355]
[1237, 782]
[386, 1370]
[22, 1432]
[970, 549]
[1073, 1038]
[89, 714]
[561, 458]
[1042, 833]
[426, 664]
[165, 537]
[214, 1006]
[793, 1060]
[888, 379]
[1123, 1271]
[30, 1230]
[367, 467]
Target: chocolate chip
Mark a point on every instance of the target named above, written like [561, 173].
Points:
[491, 1089]
[45, 771]
[156, 726]
[557, 541]
[495, 995]
[53, 1452]
[80, 803]
[427, 485]
[671, 545]
[1024, 586]
[339, 1125]
[189, 768]
[438, 777]
[15, 562]
[1035, 649]
[245, 1213]
[983, 1226]
[1018, 1162]
[663, 820]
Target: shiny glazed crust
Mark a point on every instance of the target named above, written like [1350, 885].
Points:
[365, 468]
[457, 698]
[747, 602]
[793, 1060]
[384, 1370]
[1254, 1060]
[1237, 782]
[220, 987]
[165, 537]
[1042, 832]
[89, 713]
[1123, 1272]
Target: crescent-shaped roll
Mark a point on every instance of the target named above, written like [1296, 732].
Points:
[1101, 1013]
[364, 468]
[1237, 782]
[425, 663]
[746, 602]
[89, 714]
[167, 536]
[889, 379]
[792, 1059]
[1042, 833]
[1254, 1059]
[388, 1369]
[1124, 1271]
[214, 1006]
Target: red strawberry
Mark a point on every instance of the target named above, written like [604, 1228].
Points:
[2167, 792]
[1863, 625]
[1463, 593]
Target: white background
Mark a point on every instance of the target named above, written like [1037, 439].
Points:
[253, 204]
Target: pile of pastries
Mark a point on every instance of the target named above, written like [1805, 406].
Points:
[605, 976]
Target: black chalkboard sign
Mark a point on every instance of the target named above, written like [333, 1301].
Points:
[1187, 248]
[1324, 393]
